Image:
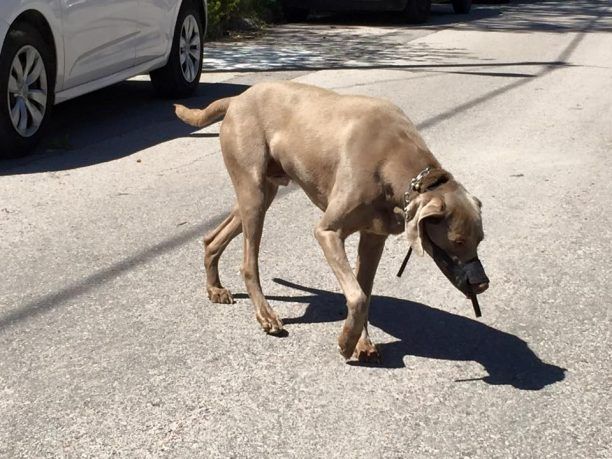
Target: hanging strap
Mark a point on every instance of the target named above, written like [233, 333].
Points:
[404, 263]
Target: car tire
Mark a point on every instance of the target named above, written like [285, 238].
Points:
[27, 83]
[417, 11]
[462, 6]
[293, 14]
[181, 75]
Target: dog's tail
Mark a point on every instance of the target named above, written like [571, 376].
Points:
[202, 118]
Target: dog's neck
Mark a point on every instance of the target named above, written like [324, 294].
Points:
[408, 180]
[400, 179]
[428, 179]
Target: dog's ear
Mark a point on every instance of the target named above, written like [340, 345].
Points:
[424, 206]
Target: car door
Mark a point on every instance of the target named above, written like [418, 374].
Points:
[158, 20]
[99, 38]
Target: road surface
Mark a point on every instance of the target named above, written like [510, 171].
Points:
[109, 346]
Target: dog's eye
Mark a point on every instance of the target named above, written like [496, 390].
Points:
[435, 220]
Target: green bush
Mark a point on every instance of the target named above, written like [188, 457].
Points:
[221, 13]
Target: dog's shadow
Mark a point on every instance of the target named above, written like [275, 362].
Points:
[427, 332]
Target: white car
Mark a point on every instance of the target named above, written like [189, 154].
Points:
[54, 50]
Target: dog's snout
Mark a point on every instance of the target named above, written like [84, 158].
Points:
[480, 288]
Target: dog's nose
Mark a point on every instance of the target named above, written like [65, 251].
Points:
[479, 288]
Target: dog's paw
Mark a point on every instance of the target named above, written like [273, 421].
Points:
[347, 342]
[366, 351]
[220, 295]
[271, 324]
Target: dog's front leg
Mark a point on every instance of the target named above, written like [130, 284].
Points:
[332, 243]
[368, 256]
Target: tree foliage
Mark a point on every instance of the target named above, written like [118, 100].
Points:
[219, 14]
[222, 12]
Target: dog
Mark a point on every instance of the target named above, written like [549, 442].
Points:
[363, 163]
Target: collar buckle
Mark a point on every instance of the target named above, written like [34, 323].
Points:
[415, 185]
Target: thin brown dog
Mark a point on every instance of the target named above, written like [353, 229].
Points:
[355, 158]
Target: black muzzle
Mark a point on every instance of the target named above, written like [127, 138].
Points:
[462, 276]
[475, 272]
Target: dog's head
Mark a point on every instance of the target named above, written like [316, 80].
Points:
[446, 222]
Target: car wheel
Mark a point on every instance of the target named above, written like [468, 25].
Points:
[293, 14]
[417, 11]
[462, 6]
[26, 90]
[181, 75]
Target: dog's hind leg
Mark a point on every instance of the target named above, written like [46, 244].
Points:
[246, 155]
[368, 256]
[253, 200]
[215, 243]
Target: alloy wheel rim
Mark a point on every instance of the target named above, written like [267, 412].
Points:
[27, 93]
[190, 50]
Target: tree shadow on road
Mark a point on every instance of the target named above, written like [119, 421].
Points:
[379, 41]
[319, 47]
[528, 16]
[424, 331]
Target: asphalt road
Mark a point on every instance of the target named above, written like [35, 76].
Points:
[109, 346]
